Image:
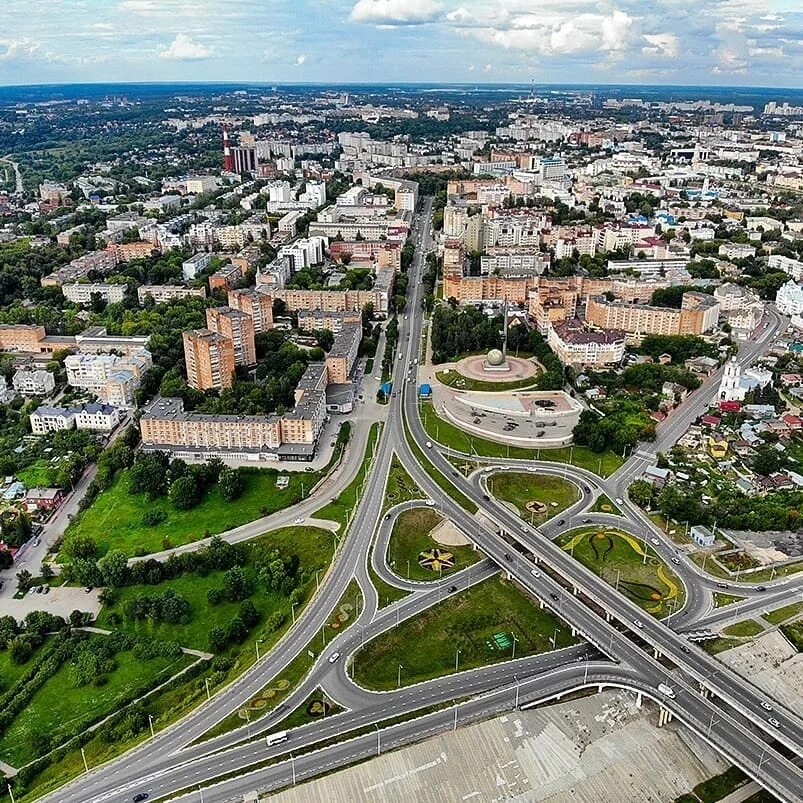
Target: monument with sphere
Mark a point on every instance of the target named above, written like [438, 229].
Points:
[496, 362]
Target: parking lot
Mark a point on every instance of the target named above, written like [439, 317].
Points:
[60, 601]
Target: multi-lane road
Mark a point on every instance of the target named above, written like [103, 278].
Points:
[623, 643]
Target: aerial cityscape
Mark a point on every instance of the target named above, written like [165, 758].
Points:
[423, 431]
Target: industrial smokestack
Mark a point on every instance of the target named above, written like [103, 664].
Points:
[228, 164]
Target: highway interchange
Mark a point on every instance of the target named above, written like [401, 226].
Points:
[623, 647]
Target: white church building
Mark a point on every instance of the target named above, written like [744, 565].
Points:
[737, 382]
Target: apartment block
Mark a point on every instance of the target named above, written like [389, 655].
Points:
[239, 328]
[26, 338]
[259, 306]
[699, 314]
[33, 382]
[209, 359]
[111, 377]
[315, 320]
[162, 293]
[574, 343]
[343, 354]
[81, 293]
[226, 277]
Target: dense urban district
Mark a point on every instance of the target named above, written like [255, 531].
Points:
[339, 419]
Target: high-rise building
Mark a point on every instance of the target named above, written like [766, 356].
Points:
[256, 304]
[239, 328]
[209, 358]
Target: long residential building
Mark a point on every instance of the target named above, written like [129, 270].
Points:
[699, 313]
[161, 293]
[314, 320]
[82, 293]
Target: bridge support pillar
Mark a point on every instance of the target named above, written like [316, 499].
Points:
[638, 700]
[704, 691]
[607, 616]
[541, 604]
[574, 631]
[664, 717]
[574, 590]
[509, 576]
[656, 653]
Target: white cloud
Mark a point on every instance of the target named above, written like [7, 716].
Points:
[17, 49]
[661, 44]
[301, 59]
[395, 12]
[182, 48]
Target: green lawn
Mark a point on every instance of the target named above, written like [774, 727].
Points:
[426, 645]
[270, 696]
[114, 519]
[410, 538]
[618, 558]
[519, 487]
[448, 434]
[720, 786]
[794, 632]
[782, 614]
[721, 600]
[717, 645]
[313, 547]
[338, 509]
[454, 379]
[41, 474]
[10, 672]
[744, 629]
[400, 486]
[59, 703]
[603, 504]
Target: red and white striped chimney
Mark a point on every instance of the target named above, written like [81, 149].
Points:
[228, 163]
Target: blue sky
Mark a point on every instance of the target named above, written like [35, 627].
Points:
[742, 42]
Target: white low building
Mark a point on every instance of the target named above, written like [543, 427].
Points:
[738, 382]
[33, 382]
[81, 293]
[51, 419]
[789, 299]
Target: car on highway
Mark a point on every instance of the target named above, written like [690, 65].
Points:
[486, 497]
[676, 561]
[334, 657]
[508, 557]
[761, 588]
[299, 520]
[586, 521]
[523, 528]
[430, 503]
[561, 521]
[655, 541]
[452, 589]
[638, 623]
[766, 706]
[139, 797]
[535, 573]
[619, 500]
[553, 597]
[428, 444]
[722, 585]
[774, 722]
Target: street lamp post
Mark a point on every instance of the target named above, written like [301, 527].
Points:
[398, 682]
[150, 722]
[83, 756]
[378, 745]
[293, 768]
[208, 695]
[293, 611]
[456, 659]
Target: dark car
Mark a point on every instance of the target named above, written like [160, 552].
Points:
[553, 597]
[507, 556]
[452, 589]
[486, 497]
[140, 796]
[761, 588]
[561, 521]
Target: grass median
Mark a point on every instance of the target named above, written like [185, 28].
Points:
[480, 626]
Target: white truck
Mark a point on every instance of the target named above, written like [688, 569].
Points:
[666, 690]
